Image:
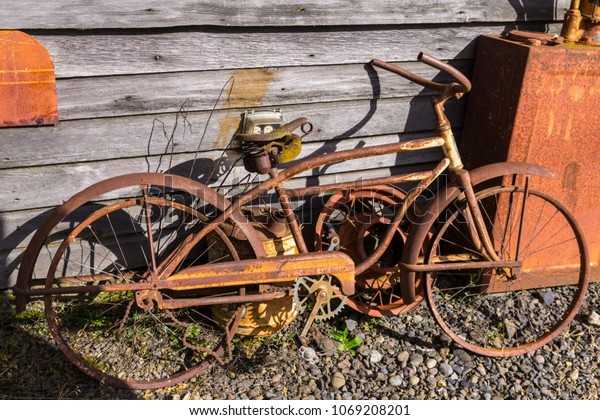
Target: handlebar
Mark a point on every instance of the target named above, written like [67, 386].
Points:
[463, 84]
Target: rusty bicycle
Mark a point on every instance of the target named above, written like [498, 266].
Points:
[147, 277]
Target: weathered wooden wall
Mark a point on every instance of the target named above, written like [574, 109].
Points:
[137, 79]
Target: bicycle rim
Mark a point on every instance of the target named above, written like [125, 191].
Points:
[503, 311]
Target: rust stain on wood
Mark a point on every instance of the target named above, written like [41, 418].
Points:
[27, 82]
[249, 86]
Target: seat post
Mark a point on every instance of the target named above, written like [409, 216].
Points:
[288, 211]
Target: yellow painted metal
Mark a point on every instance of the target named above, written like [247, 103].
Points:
[590, 8]
[582, 23]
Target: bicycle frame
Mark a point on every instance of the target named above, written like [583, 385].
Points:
[275, 182]
[452, 162]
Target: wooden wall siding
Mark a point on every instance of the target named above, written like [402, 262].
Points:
[139, 87]
[60, 14]
[101, 54]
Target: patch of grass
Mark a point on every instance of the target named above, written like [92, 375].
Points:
[370, 323]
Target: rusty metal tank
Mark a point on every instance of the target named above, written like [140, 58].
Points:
[539, 104]
[27, 82]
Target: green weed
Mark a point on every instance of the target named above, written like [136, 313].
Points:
[346, 343]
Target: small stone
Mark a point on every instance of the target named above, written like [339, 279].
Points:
[403, 357]
[539, 359]
[381, 377]
[431, 363]
[338, 380]
[458, 369]
[375, 357]
[510, 327]
[351, 324]
[414, 380]
[481, 370]
[416, 359]
[503, 371]
[395, 381]
[445, 369]
[574, 375]
[549, 297]
[593, 318]
[463, 355]
[444, 352]
[231, 374]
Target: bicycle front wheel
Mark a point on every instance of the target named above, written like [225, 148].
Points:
[509, 311]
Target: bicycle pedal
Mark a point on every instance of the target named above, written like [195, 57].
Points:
[309, 354]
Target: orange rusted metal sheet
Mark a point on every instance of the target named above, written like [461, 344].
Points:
[538, 103]
[27, 82]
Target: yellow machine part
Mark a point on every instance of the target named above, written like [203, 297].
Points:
[264, 318]
[590, 8]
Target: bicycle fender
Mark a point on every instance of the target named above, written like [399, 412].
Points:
[445, 197]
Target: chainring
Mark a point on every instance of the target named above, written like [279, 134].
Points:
[306, 289]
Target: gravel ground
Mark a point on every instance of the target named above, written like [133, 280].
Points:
[405, 357]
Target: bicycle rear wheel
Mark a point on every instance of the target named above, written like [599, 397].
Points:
[509, 311]
[360, 219]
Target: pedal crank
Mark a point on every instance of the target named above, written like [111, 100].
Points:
[328, 300]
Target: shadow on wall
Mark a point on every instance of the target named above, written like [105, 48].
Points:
[530, 17]
[10, 258]
[3, 258]
[529, 10]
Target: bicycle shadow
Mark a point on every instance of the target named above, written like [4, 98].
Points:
[32, 368]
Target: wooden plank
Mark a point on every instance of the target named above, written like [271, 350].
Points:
[111, 96]
[38, 187]
[98, 54]
[115, 138]
[85, 14]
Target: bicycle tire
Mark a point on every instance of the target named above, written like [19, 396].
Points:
[502, 312]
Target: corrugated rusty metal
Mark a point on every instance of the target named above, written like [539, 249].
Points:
[540, 104]
[27, 82]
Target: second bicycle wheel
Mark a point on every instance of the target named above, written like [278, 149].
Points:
[509, 311]
[360, 219]
[121, 236]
